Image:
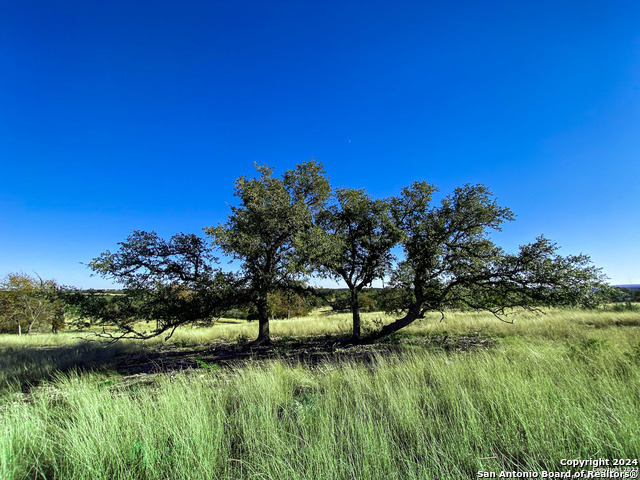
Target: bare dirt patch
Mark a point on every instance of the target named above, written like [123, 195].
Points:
[310, 351]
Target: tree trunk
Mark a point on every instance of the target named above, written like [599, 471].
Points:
[19, 328]
[412, 314]
[263, 322]
[355, 310]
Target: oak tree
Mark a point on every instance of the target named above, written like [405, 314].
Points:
[27, 301]
[450, 261]
[263, 231]
[355, 237]
[165, 283]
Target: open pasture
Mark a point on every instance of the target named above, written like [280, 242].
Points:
[443, 399]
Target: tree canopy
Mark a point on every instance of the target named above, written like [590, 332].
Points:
[356, 234]
[451, 262]
[264, 231]
[27, 301]
[169, 283]
[285, 228]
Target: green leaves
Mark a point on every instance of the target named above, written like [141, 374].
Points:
[27, 301]
[450, 262]
[353, 242]
[284, 228]
[166, 282]
[264, 231]
[145, 260]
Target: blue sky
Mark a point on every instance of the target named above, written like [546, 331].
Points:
[139, 115]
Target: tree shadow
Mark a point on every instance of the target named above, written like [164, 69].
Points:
[307, 351]
[24, 367]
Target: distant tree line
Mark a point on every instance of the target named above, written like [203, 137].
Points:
[30, 302]
[284, 229]
[625, 298]
[624, 294]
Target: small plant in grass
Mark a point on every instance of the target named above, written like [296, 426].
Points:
[106, 384]
[377, 324]
[634, 354]
[141, 454]
[304, 404]
[593, 345]
[242, 337]
[208, 366]
[587, 349]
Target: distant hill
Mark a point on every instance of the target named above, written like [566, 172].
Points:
[630, 286]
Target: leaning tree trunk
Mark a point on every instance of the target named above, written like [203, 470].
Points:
[263, 322]
[412, 314]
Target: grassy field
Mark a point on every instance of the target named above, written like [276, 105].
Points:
[442, 400]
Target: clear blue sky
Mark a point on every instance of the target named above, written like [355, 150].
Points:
[139, 115]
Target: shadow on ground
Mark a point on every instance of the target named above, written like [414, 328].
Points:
[310, 351]
[23, 368]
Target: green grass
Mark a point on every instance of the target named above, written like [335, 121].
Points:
[561, 385]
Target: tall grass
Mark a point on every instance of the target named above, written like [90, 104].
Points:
[561, 385]
[418, 415]
[551, 324]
